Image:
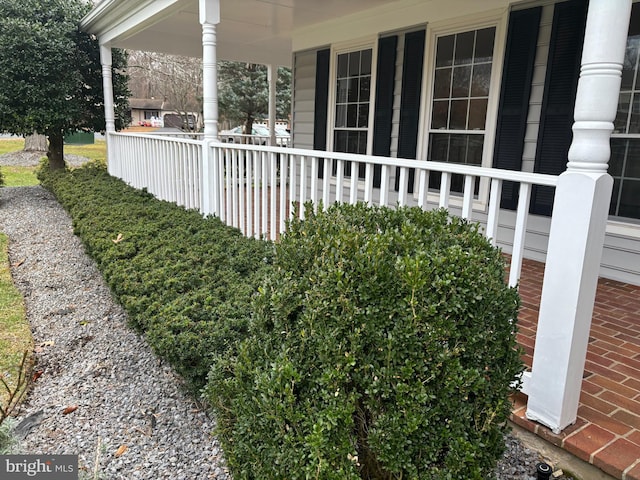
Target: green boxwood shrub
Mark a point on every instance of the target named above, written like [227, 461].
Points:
[186, 281]
[381, 347]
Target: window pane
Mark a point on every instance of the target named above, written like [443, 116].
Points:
[440, 114]
[365, 89]
[363, 115]
[439, 147]
[362, 142]
[477, 113]
[343, 89]
[352, 115]
[458, 119]
[340, 141]
[618, 152]
[484, 44]
[342, 65]
[620, 124]
[442, 83]
[352, 142]
[629, 204]
[444, 51]
[461, 82]
[629, 65]
[464, 47]
[354, 89]
[354, 64]
[634, 122]
[632, 165]
[341, 116]
[458, 149]
[481, 80]
[474, 149]
[365, 65]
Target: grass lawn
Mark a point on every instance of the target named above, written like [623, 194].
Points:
[15, 176]
[15, 331]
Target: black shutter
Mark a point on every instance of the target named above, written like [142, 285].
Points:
[321, 100]
[563, 69]
[386, 75]
[517, 74]
[410, 100]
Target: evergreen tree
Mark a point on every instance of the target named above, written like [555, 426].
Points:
[50, 73]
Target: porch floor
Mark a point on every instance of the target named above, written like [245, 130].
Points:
[607, 432]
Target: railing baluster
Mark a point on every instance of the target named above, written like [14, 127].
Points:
[339, 180]
[422, 188]
[241, 193]
[494, 210]
[249, 191]
[445, 186]
[303, 185]
[257, 169]
[274, 196]
[314, 181]
[353, 185]
[384, 185]
[368, 184]
[467, 199]
[519, 234]
[228, 170]
[264, 197]
[283, 191]
[292, 183]
[234, 187]
[402, 190]
[326, 186]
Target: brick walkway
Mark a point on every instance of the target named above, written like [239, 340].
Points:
[607, 432]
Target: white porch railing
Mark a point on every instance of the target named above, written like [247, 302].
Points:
[169, 168]
[253, 188]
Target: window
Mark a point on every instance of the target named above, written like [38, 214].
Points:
[149, 114]
[624, 165]
[353, 93]
[460, 98]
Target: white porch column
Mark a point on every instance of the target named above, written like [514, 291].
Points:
[209, 18]
[272, 73]
[109, 109]
[578, 224]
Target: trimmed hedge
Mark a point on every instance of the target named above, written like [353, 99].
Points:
[186, 281]
[383, 346]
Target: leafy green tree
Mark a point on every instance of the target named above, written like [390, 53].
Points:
[50, 73]
[243, 92]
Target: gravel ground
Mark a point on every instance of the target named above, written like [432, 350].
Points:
[131, 418]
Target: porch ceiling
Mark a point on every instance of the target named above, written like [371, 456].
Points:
[257, 31]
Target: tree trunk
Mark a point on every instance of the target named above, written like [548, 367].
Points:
[35, 143]
[55, 154]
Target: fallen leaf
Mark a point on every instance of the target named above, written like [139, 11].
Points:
[69, 409]
[118, 239]
[17, 264]
[36, 375]
[121, 450]
[48, 343]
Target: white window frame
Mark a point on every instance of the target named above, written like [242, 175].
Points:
[348, 47]
[461, 25]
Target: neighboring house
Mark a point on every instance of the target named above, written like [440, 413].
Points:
[145, 110]
[413, 94]
[151, 112]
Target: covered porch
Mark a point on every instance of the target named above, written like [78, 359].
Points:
[255, 189]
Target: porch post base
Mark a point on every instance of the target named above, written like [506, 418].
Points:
[568, 295]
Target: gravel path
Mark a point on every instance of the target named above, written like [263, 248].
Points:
[132, 419]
